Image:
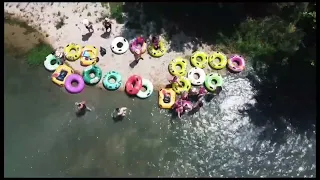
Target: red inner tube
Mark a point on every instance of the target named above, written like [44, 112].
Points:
[133, 84]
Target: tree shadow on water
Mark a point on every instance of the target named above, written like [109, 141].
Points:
[202, 23]
[285, 98]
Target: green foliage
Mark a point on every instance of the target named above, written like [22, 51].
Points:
[116, 10]
[37, 55]
[263, 36]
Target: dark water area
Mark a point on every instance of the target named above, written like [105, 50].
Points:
[44, 138]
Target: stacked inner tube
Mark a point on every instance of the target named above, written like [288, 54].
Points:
[134, 86]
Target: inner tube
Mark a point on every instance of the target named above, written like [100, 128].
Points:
[52, 62]
[133, 84]
[74, 89]
[202, 63]
[166, 102]
[212, 81]
[218, 55]
[236, 63]
[186, 85]
[178, 62]
[72, 56]
[138, 44]
[157, 52]
[119, 45]
[89, 56]
[117, 80]
[201, 74]
[97, 75]
[149, 89]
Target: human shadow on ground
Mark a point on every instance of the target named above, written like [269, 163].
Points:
[105, 35]
[87, 36]
[202, 24]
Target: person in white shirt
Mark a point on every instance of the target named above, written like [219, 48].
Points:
[88, 25]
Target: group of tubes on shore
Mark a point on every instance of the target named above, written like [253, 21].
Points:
[191, 99]
[184, 103]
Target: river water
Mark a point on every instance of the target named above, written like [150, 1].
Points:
[44, 138]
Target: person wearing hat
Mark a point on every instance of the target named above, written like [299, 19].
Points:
[88, 25]
[107, 24]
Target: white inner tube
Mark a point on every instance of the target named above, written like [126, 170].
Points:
[201, 74]
[149, 89]
[48, 65]
[119, 45]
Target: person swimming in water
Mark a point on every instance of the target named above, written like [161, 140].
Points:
[175, 79]
[202, 92]
[187, 106]
[81, 108]
[120, 113]
[184, 95]
[193, 92]
[196, 107]
[218, 90]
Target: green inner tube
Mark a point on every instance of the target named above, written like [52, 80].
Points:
[112, 75]
[97, 75]
[212, 81]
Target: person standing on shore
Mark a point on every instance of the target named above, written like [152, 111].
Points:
[88, 25]
[107, 25]
[137, 55]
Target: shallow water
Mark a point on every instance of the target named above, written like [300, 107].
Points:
[44, 138]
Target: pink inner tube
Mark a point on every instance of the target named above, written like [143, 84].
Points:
[141, 46]
[74, 78]
[240, 63]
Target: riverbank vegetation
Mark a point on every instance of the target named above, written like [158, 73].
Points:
[277, 39]
[24, 41]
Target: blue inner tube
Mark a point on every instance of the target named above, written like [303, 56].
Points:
[112, 75]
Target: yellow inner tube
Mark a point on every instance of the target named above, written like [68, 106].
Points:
[186, 85]
[160, 51]
[218, 65]
[93, 53]
[178, 62]
[169, 105]
[204, 59]
[72, 56]
[58, 71]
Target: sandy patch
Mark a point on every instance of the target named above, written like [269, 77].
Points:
[44, 16]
